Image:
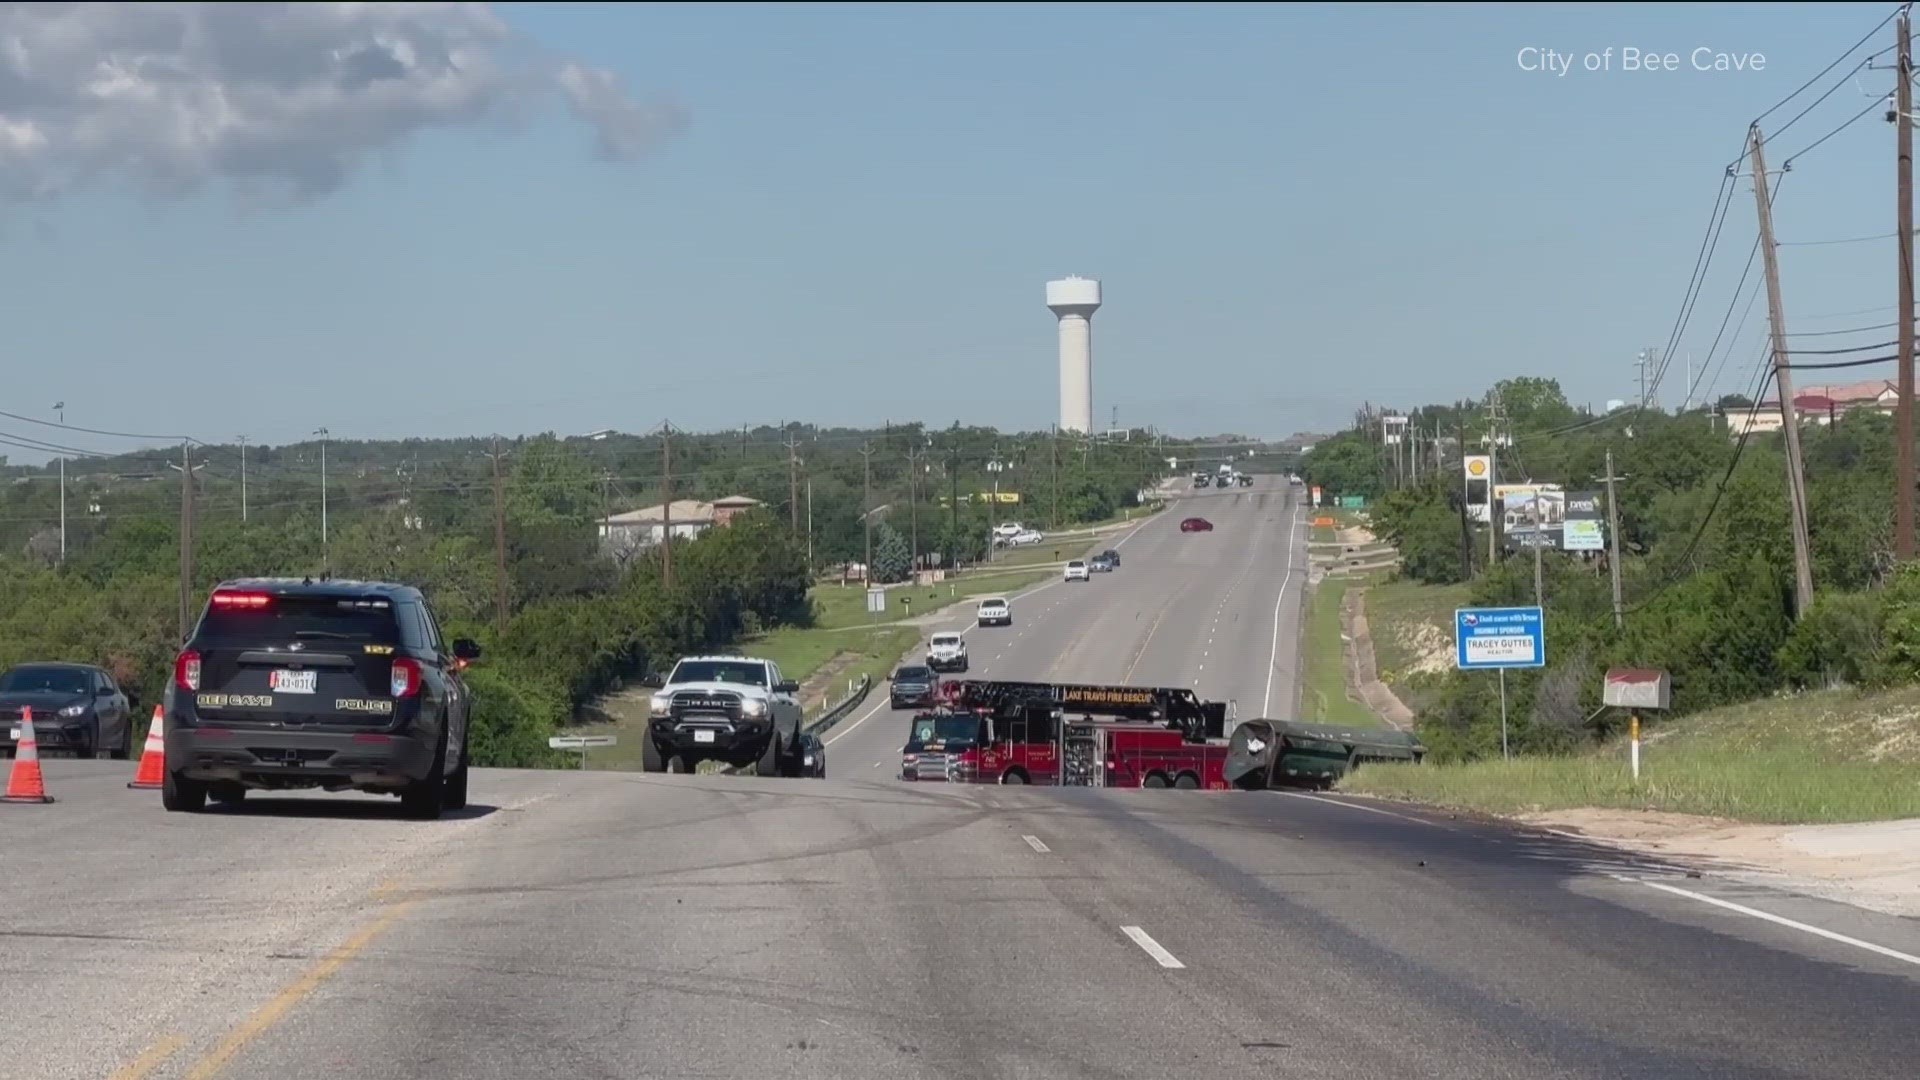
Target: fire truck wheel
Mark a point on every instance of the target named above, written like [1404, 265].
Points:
[1154, 780]
[1187, 781]
[1013, 776]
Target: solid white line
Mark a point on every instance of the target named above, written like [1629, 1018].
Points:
[856, 723]
[1273, 655]
[1034, 843]
[1357, 806]
[1152, 947]
[1780, 920]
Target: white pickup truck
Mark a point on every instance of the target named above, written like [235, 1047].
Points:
[738, 709]
[947, 652]
[994, 611]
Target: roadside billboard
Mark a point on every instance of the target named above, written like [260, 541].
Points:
[1478, 469]
[1531, 514]
[1583, 530]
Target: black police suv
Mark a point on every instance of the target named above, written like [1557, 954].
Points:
[291, 684]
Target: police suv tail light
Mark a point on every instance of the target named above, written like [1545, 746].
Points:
[405, 680]
[186, 671]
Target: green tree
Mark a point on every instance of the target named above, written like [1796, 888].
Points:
[892, 559]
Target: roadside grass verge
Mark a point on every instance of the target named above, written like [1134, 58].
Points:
[1324, 695]
[1825, 757]
[1411, 625]
[839, 607]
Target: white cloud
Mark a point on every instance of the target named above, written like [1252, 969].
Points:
[283, 100]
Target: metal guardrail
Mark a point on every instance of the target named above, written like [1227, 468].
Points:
[839, 710]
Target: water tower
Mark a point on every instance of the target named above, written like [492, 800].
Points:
[1073, 300]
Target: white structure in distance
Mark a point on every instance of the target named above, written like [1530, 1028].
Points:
[1073, 300]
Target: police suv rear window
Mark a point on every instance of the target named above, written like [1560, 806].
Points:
[302, 618]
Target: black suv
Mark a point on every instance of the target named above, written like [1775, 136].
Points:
[295, 683]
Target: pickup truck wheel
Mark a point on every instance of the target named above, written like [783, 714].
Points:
[769, 764]
[683, 764]
[651, 759]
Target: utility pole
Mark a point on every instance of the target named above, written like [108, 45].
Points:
[1643, 362]
[793, 480]
[914, 454]
[499, 543]
[1613, 544]
[666, 503]
[1494, 509]
[866, 501]
[186, 468]
[243, 479]
[1783, 382]
[1466, 530]
[809, 524]
[1539, 556]
[1903, 310]
[953, 509]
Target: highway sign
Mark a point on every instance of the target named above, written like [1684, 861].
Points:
[579, 742]
[1488, 639]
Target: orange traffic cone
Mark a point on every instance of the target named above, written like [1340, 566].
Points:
[153, 760]
[25, 784]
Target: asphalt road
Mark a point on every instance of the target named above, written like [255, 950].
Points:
[621, 925]
[1215, 611]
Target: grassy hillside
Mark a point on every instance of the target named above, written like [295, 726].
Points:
[1412, 629]
[1830, 756]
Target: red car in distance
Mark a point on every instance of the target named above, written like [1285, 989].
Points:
[1196, 525]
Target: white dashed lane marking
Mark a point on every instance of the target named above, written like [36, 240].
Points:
[1034, 843]
[1151, 947]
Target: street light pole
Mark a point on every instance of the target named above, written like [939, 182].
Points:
[325, 551]
[60, 408]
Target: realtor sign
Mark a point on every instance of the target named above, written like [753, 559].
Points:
[1486, 639]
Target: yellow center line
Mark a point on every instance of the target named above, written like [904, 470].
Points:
[301, 989]
[151, 1058]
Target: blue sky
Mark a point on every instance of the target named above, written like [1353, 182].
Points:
[1293, 210]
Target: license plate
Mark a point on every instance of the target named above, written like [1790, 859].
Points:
[703, 736]
[292, 682]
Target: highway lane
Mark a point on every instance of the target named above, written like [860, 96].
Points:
[605, 924]
[1184, 609]
[617, 925]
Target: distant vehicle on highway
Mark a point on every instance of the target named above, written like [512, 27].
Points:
[1111, 556]
[1201, 480]
[1246, 479]
[736, 709]
[76, 708]
[813, 756]
[994, 611]
[1196, 524]
[947, 651]
[1009, 529]
[912, 687]
[290, 684]
[1027, 537]
[1077, 571]
[1100, 564]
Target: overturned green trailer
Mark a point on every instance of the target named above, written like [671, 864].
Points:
[1270, 753]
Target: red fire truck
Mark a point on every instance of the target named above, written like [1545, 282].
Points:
[1069, 734]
